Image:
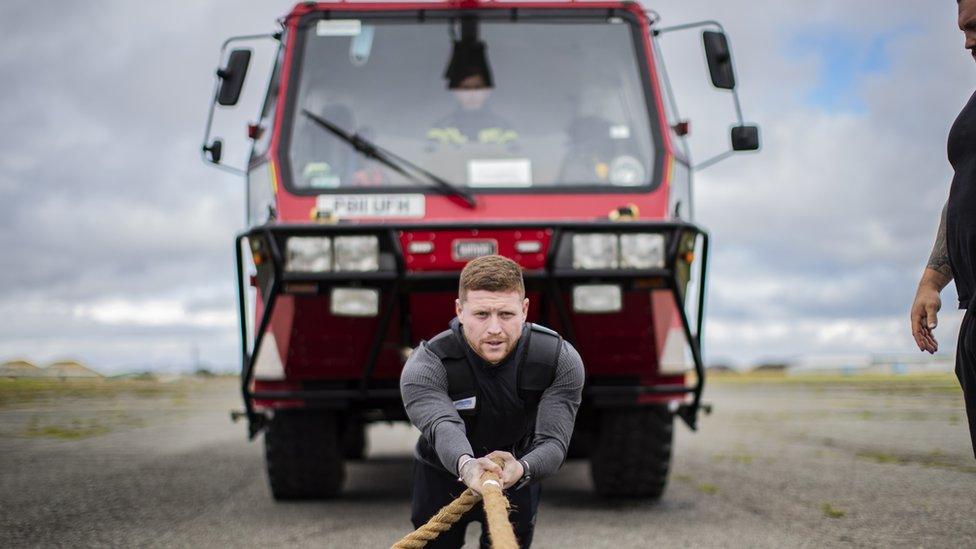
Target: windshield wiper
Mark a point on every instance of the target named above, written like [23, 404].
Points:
[391, 160]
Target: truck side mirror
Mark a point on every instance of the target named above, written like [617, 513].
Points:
[232, 77]
[719, 58]
[214, 149]
[745, 138]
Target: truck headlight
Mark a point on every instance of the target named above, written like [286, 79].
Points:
[641, 250]
[308, 254]
[595, 251]
[357, 253]
[597, 298]
[354, 302]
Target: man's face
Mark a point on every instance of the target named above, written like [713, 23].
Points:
[492, 322]
[472, 92]
[967, 24]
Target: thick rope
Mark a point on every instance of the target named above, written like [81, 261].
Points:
[496, 512]
[441, 522]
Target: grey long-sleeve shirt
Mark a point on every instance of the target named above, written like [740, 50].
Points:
[424, 388]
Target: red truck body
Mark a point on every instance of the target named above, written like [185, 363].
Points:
[313, 358]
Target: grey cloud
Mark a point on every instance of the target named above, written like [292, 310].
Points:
[835, 217]
[102, 193]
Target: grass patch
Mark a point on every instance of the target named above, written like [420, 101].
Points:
[77, 429]
[738, 457]
[707, 488]
[936, 459]
[48, 426]
[830, 511]
[880, 457]
[23, 391]
[927, 383]
[128, 420]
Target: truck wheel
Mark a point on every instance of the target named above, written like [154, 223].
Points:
[354, 439]
[580, 445]
[633, 452]
[303, 455]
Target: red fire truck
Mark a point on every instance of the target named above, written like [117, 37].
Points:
[399, 140]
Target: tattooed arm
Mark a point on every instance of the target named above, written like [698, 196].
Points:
[927, 302]
[939, 259]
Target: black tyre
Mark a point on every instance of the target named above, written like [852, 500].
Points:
[303, 455]
[354, 438]
[632, 455]
[580, 445]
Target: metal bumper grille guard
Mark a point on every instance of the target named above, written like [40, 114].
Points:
[393, 282]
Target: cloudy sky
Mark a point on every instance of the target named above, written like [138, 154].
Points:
[117, 239]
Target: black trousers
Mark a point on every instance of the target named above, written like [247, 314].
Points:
[435, 488]
[966, 368]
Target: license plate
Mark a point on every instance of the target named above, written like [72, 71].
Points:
[470, 249]
[371, 205]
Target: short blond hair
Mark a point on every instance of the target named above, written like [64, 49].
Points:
[491, 273]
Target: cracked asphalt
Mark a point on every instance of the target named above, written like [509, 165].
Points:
[776, 465]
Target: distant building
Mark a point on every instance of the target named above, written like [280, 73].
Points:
[770, 367]
[20, 368]
[69, 368]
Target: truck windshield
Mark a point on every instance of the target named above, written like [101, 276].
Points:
[483, 103]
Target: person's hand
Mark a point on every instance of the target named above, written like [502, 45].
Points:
[924, 317]
[512, 471]
[472, 470]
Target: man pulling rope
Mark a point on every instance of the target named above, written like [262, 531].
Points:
[492, 386]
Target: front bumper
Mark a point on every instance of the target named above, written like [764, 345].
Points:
[397, 280]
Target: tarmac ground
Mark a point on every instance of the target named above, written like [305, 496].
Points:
[780, 463]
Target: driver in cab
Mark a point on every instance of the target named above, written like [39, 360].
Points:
[470, 81]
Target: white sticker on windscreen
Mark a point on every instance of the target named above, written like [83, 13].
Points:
[370, 205]
[619, 131]
[339, 27]
[514, 172]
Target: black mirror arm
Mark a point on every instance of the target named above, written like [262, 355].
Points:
[744, 138]
[224, 167]
[708, 23]
[694, 25]
[713, 160]
[738, 106]
[213, 100]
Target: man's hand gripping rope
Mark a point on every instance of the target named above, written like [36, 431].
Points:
[484, 478]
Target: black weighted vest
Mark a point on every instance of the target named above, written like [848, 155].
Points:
[488, 428]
